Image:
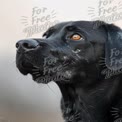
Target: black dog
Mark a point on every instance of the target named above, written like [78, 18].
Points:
[85, 60]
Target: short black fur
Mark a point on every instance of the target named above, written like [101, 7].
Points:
[92, 88]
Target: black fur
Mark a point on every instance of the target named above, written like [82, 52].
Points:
[92, 88]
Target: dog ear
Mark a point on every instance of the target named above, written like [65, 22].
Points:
[113, 46]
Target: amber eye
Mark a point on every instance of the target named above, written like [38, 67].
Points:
[76, 37]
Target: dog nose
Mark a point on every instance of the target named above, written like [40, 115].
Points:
[27, 44]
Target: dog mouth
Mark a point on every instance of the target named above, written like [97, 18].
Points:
[49, 71]
[25, 67]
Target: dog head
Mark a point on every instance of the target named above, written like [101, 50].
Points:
[70, 50]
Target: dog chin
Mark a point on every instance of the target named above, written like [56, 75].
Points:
[63, 77]
[45, 75]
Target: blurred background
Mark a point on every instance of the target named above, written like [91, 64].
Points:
[21, 99]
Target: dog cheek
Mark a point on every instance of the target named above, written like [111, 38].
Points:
[83, 74]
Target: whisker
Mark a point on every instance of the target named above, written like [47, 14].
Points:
[38, 75]
[115, 108]
[113, 111]
[35, 72]
[116, 116]
[35, 69]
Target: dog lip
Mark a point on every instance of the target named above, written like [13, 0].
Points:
[26, 65]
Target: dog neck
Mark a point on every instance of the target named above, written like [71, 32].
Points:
[88, 104]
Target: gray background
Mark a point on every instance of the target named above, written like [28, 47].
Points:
[21, 99]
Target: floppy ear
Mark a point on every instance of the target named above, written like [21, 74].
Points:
[113, 46]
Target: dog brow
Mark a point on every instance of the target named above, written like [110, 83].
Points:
[49, 32]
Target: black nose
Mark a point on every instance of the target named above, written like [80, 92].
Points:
[27, 44]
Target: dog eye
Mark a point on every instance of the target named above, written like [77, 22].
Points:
[76, 37]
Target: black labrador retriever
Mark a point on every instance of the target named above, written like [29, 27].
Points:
[84, 58]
